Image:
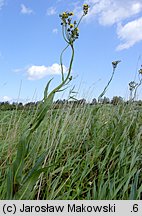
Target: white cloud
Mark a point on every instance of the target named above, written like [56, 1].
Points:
[26, 10]
[55, 30]
[116, 12]
[131, 33]
[36, 72]
[6, 98]
[51, 11]
[109, 12]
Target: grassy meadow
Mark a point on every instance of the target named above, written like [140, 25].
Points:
[83, 152]
[72, 152]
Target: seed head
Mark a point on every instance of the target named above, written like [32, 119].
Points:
[71, 14]
[85, 8]
[132, 85]
[140, 71]
[115, 63]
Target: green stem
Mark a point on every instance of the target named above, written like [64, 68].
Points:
[67, 35]
[80, 20]
[63, 33]
[104, 91]
[137, 89]
[67, 77]
[62, 70]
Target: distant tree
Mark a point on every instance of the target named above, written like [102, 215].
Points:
[13, 106]
[106, 100]
[100, 100]
[82, 101]
[139, 102]
[73, 102]
[94, 101]
[30, 105]
[1, 105]
[60, 101]
[116, 100]
[20, 106]
[5, 105]
[65, 101]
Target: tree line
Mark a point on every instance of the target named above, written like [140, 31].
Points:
[58, 103]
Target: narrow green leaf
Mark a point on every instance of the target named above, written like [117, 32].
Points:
[36, 167]
[46, 89]
[9, 184]
[25, 190]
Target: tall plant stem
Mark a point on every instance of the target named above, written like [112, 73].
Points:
[61, 63]
[68, 75]
[135, 92]
[104, 91]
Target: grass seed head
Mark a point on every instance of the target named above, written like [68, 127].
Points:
[115, 63]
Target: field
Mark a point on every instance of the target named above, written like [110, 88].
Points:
[73, 151]
[82, 152]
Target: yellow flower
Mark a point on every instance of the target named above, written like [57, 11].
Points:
[64, 15]
[85, 8]
[71, 14]
[71, 25]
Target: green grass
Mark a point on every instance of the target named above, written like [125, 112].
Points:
[82, 152]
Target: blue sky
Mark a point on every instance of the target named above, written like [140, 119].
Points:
[31, 43]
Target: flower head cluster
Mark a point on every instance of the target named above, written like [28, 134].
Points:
[132, 85]
[115, 63]
[65, 16]
[74, 34]
[85, 8]
[70, 28]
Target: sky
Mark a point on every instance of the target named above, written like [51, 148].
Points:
[31, 42]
